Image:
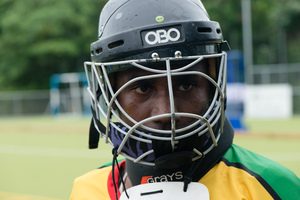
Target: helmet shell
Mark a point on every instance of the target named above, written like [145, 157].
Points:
[161, 26]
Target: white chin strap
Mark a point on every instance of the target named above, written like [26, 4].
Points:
[166, 191]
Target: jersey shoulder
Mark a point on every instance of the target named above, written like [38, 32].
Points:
[275, 177]
[92, 185]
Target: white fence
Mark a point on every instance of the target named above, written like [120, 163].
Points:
[15, 103]
[281, 74]
[37, 102]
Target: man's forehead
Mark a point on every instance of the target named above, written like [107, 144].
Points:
[162, 66]
[136, 71]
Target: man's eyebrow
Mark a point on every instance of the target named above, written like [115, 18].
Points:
[176, 77]
[131, 76]
[186, 77]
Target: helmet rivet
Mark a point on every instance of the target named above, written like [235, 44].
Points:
[155, 56]
[177, 54]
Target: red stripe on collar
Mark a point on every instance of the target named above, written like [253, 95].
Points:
[110, 184]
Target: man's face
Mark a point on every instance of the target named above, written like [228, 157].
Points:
[150, 97]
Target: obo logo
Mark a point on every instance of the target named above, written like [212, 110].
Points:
[162, 36]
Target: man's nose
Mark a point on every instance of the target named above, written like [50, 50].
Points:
[161, 106]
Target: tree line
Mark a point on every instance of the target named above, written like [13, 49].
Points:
[39, 38]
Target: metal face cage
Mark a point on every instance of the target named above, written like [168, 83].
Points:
[107, 109]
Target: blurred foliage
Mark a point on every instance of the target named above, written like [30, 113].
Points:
[271, 20]
[42, 37]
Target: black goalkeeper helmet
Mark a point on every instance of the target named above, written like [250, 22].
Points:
[154, 35]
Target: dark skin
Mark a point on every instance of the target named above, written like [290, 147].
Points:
[150, 97]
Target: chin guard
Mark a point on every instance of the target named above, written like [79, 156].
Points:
[93, 136]
[174, 160]
[167, 158]
[167, 191]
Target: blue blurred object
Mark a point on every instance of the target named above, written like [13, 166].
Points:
[235, 89]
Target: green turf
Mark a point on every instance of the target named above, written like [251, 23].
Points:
[41, 156]
[274, 126]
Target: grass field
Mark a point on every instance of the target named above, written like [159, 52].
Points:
[41, 156]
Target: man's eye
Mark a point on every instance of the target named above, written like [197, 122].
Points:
[185, 87]
[142, 89]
